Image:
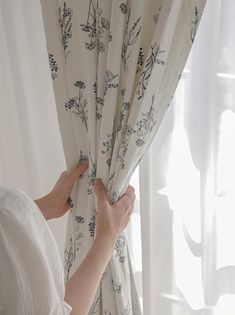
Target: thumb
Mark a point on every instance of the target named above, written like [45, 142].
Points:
[100, 192]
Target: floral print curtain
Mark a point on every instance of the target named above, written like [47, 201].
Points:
[115, 65]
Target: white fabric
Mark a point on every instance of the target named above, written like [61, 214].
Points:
[115, 66]
[188, 183]
[31, 153]
[31, 271]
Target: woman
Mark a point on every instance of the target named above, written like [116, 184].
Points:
[31, 273]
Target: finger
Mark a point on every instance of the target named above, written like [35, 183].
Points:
[78, 170]
[127, 198]
[100, 192]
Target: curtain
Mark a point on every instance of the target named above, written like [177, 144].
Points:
[115, 66]
[31, 157]
[187, 182]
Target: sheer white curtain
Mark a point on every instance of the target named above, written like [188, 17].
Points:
[31, 154]
[187, 182]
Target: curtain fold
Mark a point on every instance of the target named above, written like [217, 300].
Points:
[115, 66]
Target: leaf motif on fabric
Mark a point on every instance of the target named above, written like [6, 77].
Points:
[95, 26]
[157, 15]
[127, 132]
[95, 307]
[53, 66]
[108, 147]
[131, 37]
[65, 22]
[140, 61]
[195, 24]
[91, 173]
[154, 58]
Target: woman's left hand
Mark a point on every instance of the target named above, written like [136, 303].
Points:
[56, 203]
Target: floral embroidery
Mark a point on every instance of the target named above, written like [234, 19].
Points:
[124, 7]
[79, 219]
[152, 59]
[92, 225]
[195, 24]
[95, 26]
[79, 104]
[131, 37]
[53, 66]
[65, 21]
[70, 201]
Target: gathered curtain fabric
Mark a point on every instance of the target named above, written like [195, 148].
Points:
[115, 66]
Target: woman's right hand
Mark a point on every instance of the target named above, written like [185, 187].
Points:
[112, 219]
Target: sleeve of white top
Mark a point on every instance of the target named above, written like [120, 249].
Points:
[31, 271]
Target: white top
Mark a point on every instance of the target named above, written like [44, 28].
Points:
[31, 271]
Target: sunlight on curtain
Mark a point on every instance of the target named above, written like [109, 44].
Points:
[187, 181]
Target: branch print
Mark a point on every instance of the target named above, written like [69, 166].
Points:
[130, 38]
[95, 26]
[195, 24]
[79, 104]
[74, 243]
[65, 22]
[155, 52]
[145, 125]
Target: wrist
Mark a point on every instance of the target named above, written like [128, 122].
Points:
[105, 243]
[44, 206]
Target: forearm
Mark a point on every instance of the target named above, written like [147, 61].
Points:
[80, 289]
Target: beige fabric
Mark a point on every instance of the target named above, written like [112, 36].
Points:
[31, 273]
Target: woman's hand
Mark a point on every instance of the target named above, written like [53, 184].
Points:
[56, 203]
[112, 219]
